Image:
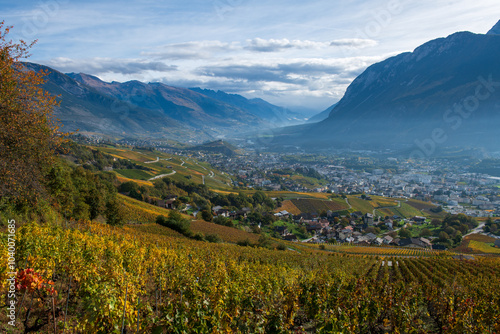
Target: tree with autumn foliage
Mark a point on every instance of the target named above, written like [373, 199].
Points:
[29, 135]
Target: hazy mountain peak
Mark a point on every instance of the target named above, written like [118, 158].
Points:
[402, 100]
[495, 30]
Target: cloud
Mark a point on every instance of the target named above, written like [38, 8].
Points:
[207, 49]
[354, 42]
[273, 45]
[296, 71]
[108, 65]
[192, 50]
[285, 81]
[276, 45]
[256, 72]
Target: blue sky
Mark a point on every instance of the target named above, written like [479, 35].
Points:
[291, 53]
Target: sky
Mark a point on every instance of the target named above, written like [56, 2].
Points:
[296, 54]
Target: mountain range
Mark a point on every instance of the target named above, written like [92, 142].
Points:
[445, 93]
[155, 110]
[278, 116]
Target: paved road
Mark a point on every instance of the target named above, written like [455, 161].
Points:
[347, 201]
[150, 162]
[477, 230]
[162, 175]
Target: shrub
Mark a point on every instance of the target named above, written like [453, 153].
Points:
[281, 247]
[199, 236]
[245, 242]
[213, 238]
[206, 215]
[176, 222]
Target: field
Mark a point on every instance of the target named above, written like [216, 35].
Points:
[382, 202]
[136, 174]
[483, 247]
[359, 204]
[308, 182]
[385, 251]
[142, 183]
[425, 208]
[388, 206]
[420, 205]
[307, 205]
[406, 211]
[288, 206]
[135, 155]
[477, 244]
[94, 278]
[291, 194]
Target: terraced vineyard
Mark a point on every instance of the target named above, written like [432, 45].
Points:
[308, 205]
[425, 207]
[92, 278]
[386, 251]
[482, 247]
[478, 244]
[289, 207]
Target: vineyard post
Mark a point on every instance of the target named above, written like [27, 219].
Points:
[124, 309]
[67, 302]
[54, 314]
[156, 300]
[138, 311]
[29, 311]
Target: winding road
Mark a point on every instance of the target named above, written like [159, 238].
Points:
[162, 175]
[150, 162]
[347, 201]
[477, 230]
